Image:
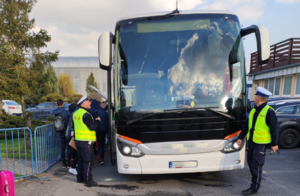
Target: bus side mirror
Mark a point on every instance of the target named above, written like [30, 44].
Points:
[105, 50]
[263, 42]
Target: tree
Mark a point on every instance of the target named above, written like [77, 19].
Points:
[53, 97]
[20, 48]
[5, 79]
[47, 81]
[65, 85]
[90, 81]
[52, 80]
[46, 77]
[1, 107]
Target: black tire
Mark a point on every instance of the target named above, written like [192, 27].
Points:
[289, 138]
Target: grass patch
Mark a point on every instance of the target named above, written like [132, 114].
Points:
[44, 148]
[12, 148]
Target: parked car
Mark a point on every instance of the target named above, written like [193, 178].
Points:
[288, 115]
[279, 98]
[43, 110]
[272, 99]
[12, 107]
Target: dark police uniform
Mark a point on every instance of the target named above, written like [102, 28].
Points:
[261, 129]
[85, 136]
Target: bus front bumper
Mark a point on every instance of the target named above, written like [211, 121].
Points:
[159, 164]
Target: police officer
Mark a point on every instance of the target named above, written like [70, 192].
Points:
[85, 136]
[261, 129]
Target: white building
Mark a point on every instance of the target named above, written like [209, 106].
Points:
[80, 68]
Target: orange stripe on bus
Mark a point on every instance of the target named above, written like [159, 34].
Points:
[130, 139]
[232, 135]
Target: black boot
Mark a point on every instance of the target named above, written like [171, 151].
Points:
[249, 191]
[90, 183]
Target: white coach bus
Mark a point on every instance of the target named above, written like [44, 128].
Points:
[179, 89]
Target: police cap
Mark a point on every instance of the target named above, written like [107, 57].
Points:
[261, 91]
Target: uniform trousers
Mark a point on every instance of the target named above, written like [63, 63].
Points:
[85, 161]
[256, 160]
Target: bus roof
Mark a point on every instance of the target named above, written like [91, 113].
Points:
[180, 11]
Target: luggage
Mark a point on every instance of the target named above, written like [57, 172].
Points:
[7, 183]
[70, 128]
[60, 124]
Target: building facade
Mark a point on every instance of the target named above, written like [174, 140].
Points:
[80, 68]
[281, 75]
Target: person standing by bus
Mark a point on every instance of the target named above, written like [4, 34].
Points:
[85, 136]
[64, 142]
[261, 129]
[101, 130]
[72, 108]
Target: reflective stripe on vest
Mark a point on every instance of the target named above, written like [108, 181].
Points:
[82, 132]
[261, 132]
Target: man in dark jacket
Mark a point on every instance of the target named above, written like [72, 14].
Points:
[102, 130]
[72, 108]
[64, 143]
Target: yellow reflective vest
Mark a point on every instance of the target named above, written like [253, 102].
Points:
[82, 132]
[261, 132]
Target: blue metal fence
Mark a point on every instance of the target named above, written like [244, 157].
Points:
[25, 158]
[17, 152]
[47, 147]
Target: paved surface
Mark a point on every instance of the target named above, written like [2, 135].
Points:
[20, 165]
[280, 177]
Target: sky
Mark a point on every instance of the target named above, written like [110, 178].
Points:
[75, 25]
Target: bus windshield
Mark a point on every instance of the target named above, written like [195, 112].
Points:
[183, 61]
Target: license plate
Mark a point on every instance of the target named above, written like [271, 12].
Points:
[182, 164]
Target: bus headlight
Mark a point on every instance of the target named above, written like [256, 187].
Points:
[126, 150]
[232, 146]
[129, 150]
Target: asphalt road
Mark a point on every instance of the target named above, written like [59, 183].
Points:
[281, 176]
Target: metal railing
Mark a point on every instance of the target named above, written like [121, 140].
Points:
[16, 151]
[25, 158]
[47, 147]
[283, 53]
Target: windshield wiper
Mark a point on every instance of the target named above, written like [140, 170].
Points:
[152, 114]
[187, 109]
[206, 108]
[180, 111]
[140, 118]
[221, 113]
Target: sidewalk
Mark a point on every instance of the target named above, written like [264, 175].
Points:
[64, 183]
[22, 166]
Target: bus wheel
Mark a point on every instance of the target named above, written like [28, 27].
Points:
[289, 138]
